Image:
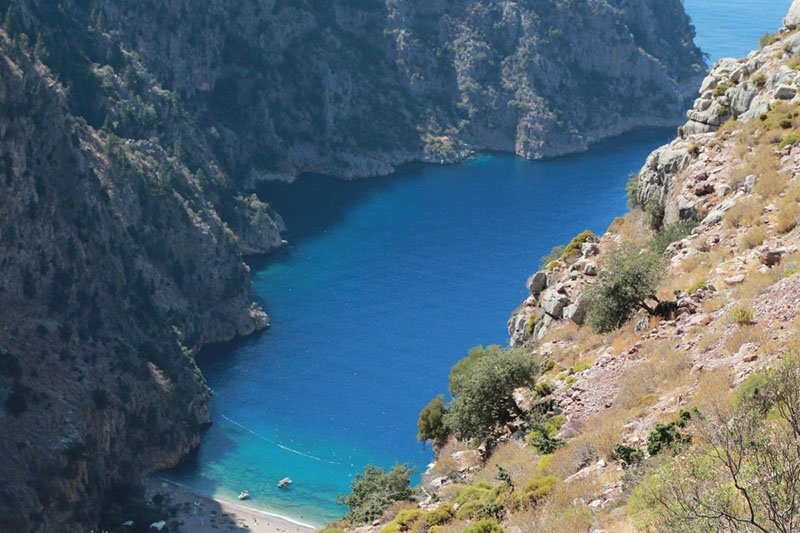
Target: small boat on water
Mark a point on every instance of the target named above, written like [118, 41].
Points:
[244, 495]
[285, 482]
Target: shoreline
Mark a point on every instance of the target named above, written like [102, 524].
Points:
[204, 514]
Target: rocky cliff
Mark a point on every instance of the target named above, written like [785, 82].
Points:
[129, 131]
[353, 88]
[116, 267]
[720, 206]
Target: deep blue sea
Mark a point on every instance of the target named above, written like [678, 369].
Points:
[385, 284]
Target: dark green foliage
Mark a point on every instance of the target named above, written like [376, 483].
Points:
[632, 190]
[669, 234]
[544, 440]
[101, 399]
[627, 282]
[482, 385]
[628, 455]
[9, 365]
[667, 435]
[16, 403]
[504, 476]
[553, 255]
[374, 490]
[654, 210]
[431, 424]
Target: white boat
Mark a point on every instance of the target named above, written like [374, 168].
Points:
[285, 482]
[244, 495]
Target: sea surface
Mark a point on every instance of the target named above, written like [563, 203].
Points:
[385, 284]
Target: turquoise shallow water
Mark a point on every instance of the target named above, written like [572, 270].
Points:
[385, 284]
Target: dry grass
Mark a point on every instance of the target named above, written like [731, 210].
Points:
[754, 237]
[787, 214]
[446, 465]
[713, 387]
[632, 229]
[757, 282]
[764, 164]
[707, 338]
[568, 332]
[622, 339]
[745, 334]
[745, 213]
[565, 509]
[519, 461]
[665, 369]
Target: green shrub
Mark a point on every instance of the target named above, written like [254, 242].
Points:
[536, 489]
[405, 520]
[627, 282]
[563, 253]
[543, 388]
[482, 385]
[768, 39]
[697, 285]
[552, 256]
[628, 454]
[669, 234]
[480, 499]
[530, 327]
[16, 403]
[374, 490]
[431, 424]
[789, 140]
[632, 190]
[721, 89]
[577, 242]
[543, 435]
[743, 314]
[667, 435]
[440, 516]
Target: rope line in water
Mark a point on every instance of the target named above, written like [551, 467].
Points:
[278, 444]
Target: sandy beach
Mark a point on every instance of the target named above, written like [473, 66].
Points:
[201, 514]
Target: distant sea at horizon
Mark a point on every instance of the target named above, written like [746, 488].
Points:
[385, 284]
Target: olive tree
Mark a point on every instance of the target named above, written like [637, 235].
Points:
[374, 490]
[431, 423]
[482, 386]
[627, 282]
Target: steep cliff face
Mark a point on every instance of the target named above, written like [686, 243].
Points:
[352, 88]
[115, 268]
[128, 131]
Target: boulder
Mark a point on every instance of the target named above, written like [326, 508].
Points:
[785, 92]
[735, 280]
[554, 302]
[589, 249]
[537, 283]
[577, 311]
[750, 182]
[770, 258]
[703, 188]
[793, 18]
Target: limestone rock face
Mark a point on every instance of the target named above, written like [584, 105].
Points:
[354, 88]
[793, 18]
[740, 89]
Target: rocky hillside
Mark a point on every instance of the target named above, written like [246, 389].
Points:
[116, 267]
[129, 131]
[353, 88]
[677, 413]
